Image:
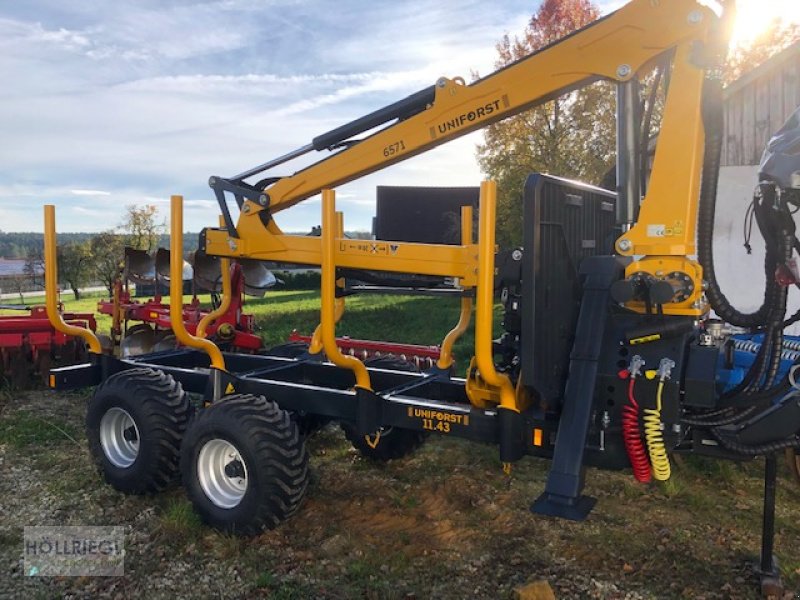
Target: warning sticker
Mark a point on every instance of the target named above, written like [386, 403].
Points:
[365, 247]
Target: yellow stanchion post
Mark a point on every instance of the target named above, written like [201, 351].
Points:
[176, 291]
[51, 285]
[485, 298]
[328, 293]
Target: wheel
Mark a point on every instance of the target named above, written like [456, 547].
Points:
[244, 464]
[135, 422]
[288, 350]
[793, 458]
[392, 443]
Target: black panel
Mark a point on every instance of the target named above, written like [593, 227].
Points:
[429, 215]
[564, 223]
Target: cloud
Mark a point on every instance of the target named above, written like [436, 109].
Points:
[115, 103]
[89, 193]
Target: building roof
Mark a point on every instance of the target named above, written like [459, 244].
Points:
[15, 266]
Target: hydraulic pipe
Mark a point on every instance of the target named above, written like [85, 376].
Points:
[225, 303]
[327, 319]
[628, 177]
[446, 356]
[51, 285]
[176, 289]
[274, 162]
[485, 299]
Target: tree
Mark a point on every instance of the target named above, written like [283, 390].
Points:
[142, 227]
[107, 250]
[34, 266]
[571, 136]
[19, 284]
[74, 265]
[776, 37]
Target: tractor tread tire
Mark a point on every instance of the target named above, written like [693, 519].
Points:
[394, 443]
[161, 411]
[274, 453]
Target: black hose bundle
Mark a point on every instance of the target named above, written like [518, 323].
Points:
[777, 227]
[713, 124]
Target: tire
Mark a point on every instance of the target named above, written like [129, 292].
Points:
[265, 481]
[135, 423]
[393, 443]
[288, 350]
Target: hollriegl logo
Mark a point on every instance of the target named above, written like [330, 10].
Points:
[74, 551]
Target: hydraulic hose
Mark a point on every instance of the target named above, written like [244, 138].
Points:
[729, 420]
[655, 439]
[632, 437]
[792, 442]
[713, 124]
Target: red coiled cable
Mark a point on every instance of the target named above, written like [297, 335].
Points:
[632, 436]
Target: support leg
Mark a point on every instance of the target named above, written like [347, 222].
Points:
[768, 571]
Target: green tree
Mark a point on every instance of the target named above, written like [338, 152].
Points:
[75, 265]
[142, 227]
[571, 136]
[107, 250]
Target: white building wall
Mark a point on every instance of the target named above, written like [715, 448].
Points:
[741, 275]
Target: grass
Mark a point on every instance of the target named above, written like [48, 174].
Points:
[445, 522]
[179, 519]
[22, 429]
[406, 319]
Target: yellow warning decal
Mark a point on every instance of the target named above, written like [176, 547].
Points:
[230, 389]
[646, 338]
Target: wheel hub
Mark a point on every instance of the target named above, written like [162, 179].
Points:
[222, 473]
[119, 437]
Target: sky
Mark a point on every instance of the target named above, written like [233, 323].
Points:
[107, 104]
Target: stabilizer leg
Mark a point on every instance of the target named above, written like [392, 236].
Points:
[562, 496]
[768, 571]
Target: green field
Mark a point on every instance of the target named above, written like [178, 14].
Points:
[407, 319]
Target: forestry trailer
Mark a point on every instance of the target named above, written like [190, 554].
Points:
[610, 356]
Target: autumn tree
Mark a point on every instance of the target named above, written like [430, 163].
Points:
[743, 58]
[571, 136]
[142, 227]
[107, 251]
[75, 265]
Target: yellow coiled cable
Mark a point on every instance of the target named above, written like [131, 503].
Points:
[655, 439]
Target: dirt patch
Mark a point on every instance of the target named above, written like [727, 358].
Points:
[444, 523]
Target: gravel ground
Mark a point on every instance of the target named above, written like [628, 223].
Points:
[445, 523]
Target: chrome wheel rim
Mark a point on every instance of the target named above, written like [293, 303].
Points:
[119, 437]
[222, 473]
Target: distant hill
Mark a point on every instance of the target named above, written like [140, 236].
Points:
[20, 244]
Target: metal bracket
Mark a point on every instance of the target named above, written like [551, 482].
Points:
[241, 191]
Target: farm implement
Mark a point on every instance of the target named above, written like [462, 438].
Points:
[609, 354]
[30, 345]
[226, 322]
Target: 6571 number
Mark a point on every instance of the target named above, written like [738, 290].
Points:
[393, 149]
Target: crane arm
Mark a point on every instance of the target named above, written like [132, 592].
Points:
[614, 48]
